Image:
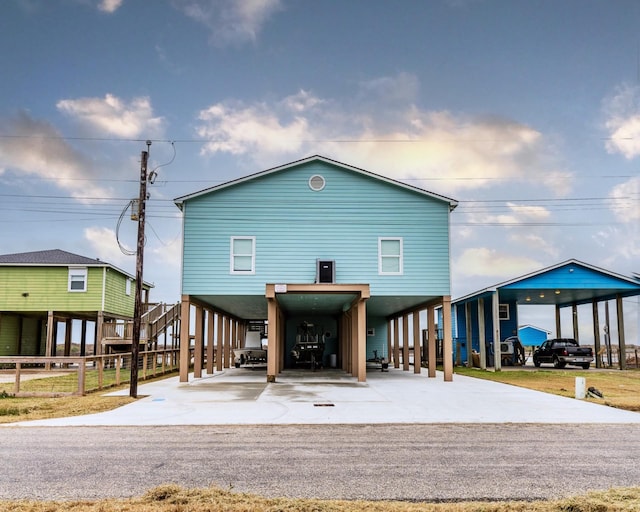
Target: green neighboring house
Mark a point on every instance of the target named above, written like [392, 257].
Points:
[39, 290]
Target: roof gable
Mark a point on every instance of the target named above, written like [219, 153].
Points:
[572, 274]
[299, 163]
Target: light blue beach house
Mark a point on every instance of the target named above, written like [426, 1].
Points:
[318, 255]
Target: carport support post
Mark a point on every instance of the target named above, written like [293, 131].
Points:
[497, 355]
[596, 333]
[199, 341]
[417, 353]
[447, 342]
[622, 356]
[185, 342]
[210, 328]
[227, 341]
[405, 342]
[574, 315]
[272, 339]
[481, 336]
[468, 333]
[219, 342]
[431, 341]
[558, 323]
[361, 328]
[396, 341]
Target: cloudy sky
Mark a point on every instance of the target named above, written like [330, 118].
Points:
[526, 112]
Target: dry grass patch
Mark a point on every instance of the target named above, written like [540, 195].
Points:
[621, 389]
[172, 498]
[26, 409]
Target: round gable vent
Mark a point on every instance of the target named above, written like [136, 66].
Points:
[316, 183]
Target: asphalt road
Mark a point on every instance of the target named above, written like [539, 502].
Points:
[380, 462]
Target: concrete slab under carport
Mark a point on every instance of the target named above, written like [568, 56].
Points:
[242, 397]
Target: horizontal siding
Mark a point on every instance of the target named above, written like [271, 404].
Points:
[294, 226]
[47, 289]
[117, 302]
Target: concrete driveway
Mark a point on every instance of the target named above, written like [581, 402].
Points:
[242, 397]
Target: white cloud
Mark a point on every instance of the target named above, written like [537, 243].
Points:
[112, 116]
[623, 121]
[104, 244]
[230, 21]
[386, 133]
[238, 130]
[109, 6]
[39, 150]
[534, 243]
[481, 261]
[625, 199]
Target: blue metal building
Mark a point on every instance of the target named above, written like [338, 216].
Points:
[485, 318]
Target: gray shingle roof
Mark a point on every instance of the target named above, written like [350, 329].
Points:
[51, 257]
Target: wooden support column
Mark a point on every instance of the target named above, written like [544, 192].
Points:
[574, 316]
[396, 343]
[198, 352]
[50, 338]
[210, 341]
[346, 341]
[622, 345]
[431, 342]
[389, 342]
[220, 342]
[596, 333]
[558, 323]
[234, 341]
[68, 327]
[272, 339]
[362, 340]
[405, 342]
[354, 342]
[227, 341]
[281, 339]
[468, 333]
[447, 343]
[185, 340]
[83, 339]
[481, 335]
[417, 353]
[98, 337]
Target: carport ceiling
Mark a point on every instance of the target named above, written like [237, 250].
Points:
[558, 296]
[254, 307]
[316, 304]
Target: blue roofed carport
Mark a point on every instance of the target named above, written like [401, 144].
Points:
[485, 318]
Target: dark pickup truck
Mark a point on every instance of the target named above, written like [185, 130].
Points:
[561, 352]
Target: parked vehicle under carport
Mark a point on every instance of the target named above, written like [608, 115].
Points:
[561, 352]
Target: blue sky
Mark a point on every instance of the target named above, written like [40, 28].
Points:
[526, 112]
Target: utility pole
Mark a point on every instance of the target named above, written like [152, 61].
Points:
[137, 310]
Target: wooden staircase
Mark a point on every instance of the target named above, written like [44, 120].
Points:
[160, 321]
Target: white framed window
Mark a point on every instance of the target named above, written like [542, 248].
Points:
[127, 286]
[243, 255]
[503, 311]
[390, 256]
[77, 279]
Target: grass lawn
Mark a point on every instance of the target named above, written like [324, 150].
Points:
[620, 389]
